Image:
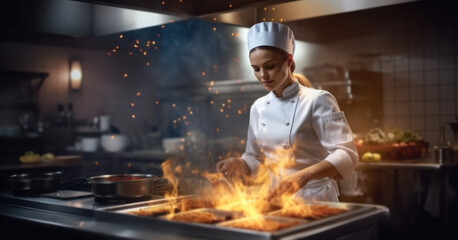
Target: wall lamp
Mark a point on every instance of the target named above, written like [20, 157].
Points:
[76, 75]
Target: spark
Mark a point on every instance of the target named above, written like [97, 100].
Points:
[203, 73]
[239, 112]
[227, 115]
[132, 104]
[144, 53]
[133, 116]
[157, 102]
[214, 28]
[121, 36]
[148, 63]
[174, 105]
[139, 93]
[125, 75]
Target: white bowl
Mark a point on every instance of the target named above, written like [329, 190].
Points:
[89, 144]
[113, 142]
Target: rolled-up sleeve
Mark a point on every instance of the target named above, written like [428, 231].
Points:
[335, 134]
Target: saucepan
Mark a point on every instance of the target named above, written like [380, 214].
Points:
[122, 185]
[35, 183]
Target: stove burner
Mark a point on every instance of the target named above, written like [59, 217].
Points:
[122, 199]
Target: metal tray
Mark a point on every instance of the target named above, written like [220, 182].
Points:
[356, 214]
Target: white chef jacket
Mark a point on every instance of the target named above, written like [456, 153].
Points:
[306, 126]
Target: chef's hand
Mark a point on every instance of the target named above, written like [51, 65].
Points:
[233, 166]
[289, 185]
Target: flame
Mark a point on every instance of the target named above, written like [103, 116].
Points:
[239, 193]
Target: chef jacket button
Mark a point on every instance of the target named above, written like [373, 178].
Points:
[267, 102]
[263, 124]
[285, 146]
[293, 101]
[286, 123]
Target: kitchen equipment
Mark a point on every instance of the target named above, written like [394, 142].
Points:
[113, 142]
[443, 149]
[122, 186]
[89, 144]
[359, 221]
[35, 183]
[174, 145]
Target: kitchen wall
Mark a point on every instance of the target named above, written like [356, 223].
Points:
[414, 45]
[105, 90]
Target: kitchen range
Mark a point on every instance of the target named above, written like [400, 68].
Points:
[107, 210]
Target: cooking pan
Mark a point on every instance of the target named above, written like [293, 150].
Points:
[35, 183]
[117, 186]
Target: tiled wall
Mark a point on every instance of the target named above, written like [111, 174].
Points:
[415, 46]
[419, 54]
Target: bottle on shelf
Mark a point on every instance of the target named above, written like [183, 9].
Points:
[443, 148]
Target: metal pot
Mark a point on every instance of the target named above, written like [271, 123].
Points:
[35, 183]
[122, 185]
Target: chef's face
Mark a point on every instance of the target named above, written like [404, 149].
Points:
[272, 69]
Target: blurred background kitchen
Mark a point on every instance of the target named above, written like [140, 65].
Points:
[172, 79]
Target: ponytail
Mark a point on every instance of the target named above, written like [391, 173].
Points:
[302, 80]
[299, 77]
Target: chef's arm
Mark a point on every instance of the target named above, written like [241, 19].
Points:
[293, 182]
[319, 170]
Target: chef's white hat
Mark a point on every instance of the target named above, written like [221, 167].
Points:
[271, 34]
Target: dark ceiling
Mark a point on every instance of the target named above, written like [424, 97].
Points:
[186, 7]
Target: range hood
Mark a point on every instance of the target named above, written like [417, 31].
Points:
[94, 18]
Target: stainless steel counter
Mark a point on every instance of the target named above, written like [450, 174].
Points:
[84, 217]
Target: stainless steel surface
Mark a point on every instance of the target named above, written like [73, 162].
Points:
[108, 220]
[103, 187]
[121, 214]
[87, 18]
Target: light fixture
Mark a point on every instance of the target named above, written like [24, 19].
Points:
[76, 75]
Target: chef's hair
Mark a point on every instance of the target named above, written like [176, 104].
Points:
[299, 77]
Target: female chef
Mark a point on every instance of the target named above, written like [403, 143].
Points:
[303, 122]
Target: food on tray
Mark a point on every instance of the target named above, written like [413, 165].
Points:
[195, 203]
[309, 212]
[392, 136]
[265, 225]
[197, 217]
[391, 144]
[153, 211]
